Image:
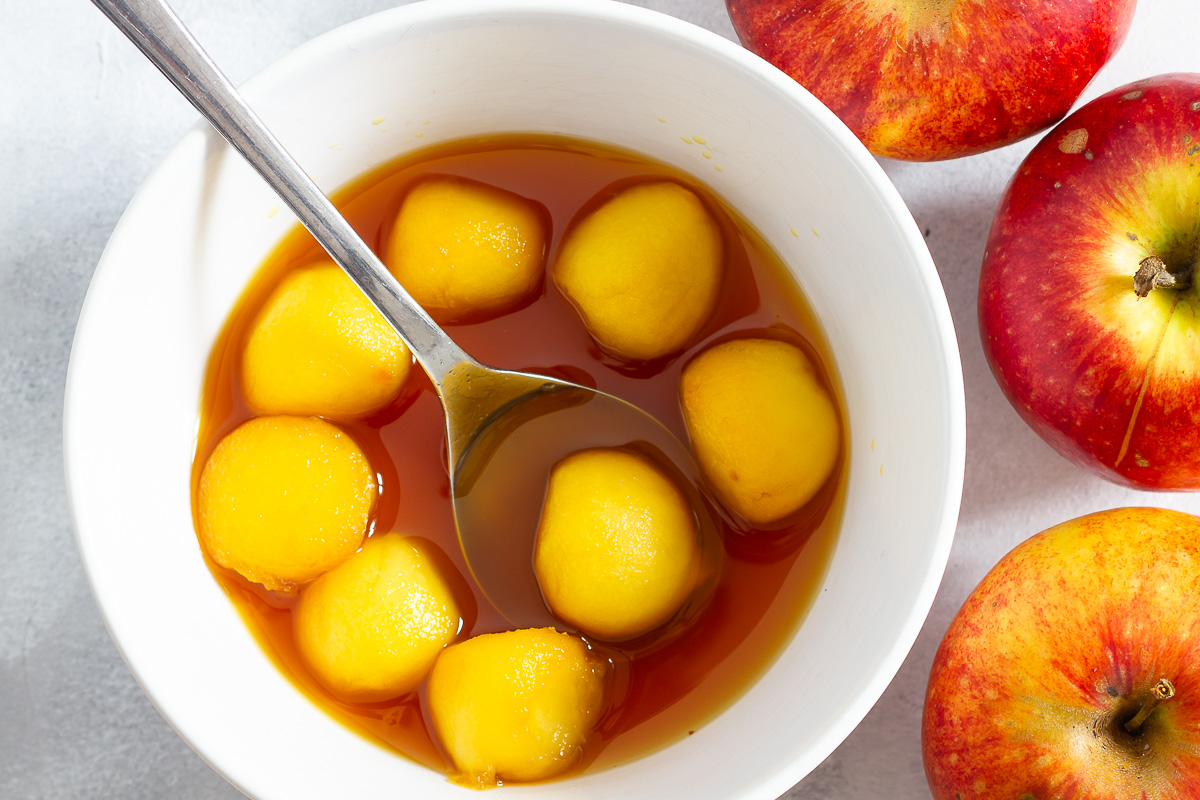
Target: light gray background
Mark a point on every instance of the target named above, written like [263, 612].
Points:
[84, 119]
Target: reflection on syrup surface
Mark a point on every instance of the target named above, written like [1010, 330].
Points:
[767, 579]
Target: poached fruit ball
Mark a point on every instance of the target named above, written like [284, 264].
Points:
[516, 705]
[284, 499]
[319, 347]
[617, 550]
[467, 251]
[765, 431]
[643, 270]
[371, 627]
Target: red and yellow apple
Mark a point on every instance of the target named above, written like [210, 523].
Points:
[1050, 681]
[924, 80]
[1109, 378]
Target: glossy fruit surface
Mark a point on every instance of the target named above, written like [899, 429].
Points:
[924, 80]
[515, 705]
[1110, 379]
[284, 499]
[1039, 678]
[764, 429]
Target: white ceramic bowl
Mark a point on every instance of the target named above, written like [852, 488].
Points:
[443, 70]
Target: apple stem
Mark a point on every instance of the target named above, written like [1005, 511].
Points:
[1152, 273]
[1163, 690]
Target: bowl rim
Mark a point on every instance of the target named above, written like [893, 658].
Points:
[753, 68]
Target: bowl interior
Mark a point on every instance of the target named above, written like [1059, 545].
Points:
[434, 72]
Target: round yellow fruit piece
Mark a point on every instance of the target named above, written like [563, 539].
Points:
[764, 430]
[371, 628]
[467, 251]
[515, 706]
[284, 499]
[617, 549]
[319, 348]
[643, 270]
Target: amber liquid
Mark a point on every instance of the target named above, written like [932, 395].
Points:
[768, 579]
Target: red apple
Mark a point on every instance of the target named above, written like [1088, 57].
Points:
[1045, 684]
[932, 79]
[1109, 379]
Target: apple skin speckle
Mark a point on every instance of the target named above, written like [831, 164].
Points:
[1074, 141]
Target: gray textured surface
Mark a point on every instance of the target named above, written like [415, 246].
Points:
[84, 119]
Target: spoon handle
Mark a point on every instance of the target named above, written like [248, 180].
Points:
[163, 38]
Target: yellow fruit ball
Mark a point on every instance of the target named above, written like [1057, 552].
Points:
[319, 348]
[617, 549]
[371, 627]
[764, 430]
[284, 499]
[515, 706]
[467, 251]
[643, 270]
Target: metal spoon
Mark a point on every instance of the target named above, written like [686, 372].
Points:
[504, 429]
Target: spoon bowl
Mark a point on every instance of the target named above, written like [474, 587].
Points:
[498, 476]
[499, 464]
